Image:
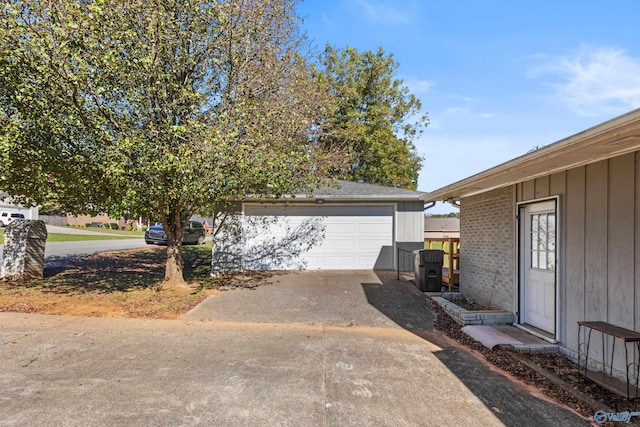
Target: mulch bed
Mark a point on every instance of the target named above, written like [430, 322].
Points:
[553, 374]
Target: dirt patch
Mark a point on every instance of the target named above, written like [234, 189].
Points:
[582, 395]
[467, 303]
[120, 284]
[143, 303]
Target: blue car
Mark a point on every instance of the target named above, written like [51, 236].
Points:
[193, 234]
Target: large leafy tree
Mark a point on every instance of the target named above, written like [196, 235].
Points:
[159, 108]
[376, 117]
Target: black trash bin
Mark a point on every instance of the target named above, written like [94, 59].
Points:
[428, 269]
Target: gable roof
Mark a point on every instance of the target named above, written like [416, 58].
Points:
[356, 191]
[615, 137]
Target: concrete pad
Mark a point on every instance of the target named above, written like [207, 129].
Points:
[130, 372]
[358, 369]
[521, 341]
[339, 297]
[489, 336]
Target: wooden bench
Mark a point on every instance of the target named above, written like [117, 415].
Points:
[607, 380]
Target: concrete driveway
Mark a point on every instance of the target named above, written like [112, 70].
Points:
[306, 349]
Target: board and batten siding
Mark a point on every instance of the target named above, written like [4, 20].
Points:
[599, 245]
[409, 232]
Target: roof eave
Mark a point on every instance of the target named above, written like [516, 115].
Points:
[340, 198]
[615, 137]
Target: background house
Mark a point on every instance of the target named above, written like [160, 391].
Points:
[8, 205]
[83, 220]
[554, 235]
[441, 228]
[353, 226]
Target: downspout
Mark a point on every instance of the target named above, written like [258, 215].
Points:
[429, 206]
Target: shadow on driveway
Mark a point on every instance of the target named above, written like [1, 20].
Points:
[307, 349]
[513, 403]
[342, 298]
[369, 306]
[399, 301]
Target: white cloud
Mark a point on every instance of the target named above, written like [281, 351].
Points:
[594, 80]
[326, 19]
[383, 13]
[470, 155]
[450, 111]
[469, 112]
[435, 124]
[457, 97]
[416, 85]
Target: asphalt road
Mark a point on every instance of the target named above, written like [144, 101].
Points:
[58, 254]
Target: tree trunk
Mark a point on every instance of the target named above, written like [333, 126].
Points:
[174, 274]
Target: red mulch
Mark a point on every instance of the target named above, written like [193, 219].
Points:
[555, 363]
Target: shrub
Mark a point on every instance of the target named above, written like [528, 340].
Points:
[87, 224]
[144, 228]
[113, 225]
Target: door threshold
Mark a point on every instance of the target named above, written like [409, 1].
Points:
[537, 332]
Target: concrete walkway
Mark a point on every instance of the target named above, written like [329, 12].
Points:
[307, 349]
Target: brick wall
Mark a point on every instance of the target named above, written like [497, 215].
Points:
[487, 227]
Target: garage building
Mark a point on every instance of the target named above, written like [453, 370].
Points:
[353, 226]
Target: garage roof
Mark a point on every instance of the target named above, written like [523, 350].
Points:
[613, 138]
[356, 191]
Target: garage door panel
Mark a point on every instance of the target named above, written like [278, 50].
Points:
[338, 247]
[370, 227]
[364, 245]
[344, 237]
[277, 242]
[340, 228]
[338, 262]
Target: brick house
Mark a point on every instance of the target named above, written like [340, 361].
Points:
[554, 236]
[440, 228]
[7, 204]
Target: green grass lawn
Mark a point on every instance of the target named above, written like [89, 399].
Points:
[59, 237]
[110, 231]
[435, 245]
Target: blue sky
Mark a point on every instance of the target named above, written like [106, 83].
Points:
[497, 77]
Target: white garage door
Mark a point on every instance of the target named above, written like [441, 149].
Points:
[318, 237]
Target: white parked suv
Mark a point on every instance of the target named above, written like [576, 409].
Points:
[7, 217]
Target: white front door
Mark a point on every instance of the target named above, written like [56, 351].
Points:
[538, 265]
